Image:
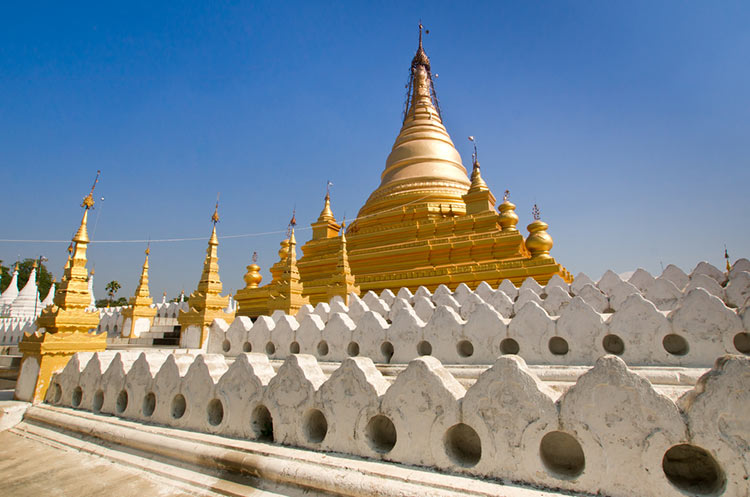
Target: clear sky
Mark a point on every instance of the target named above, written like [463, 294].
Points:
[627, 122]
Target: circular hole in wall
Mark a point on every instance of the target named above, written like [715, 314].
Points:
[693, 470]
[562, 455]
[352, 349]
[465, 348]
[98, 401]
[262, 423]
[294, 348]
[247, 347]
[215, 411]
[613, 344]
[226, 346]
[462, 445]
[509, 346]
[77, 396]
[149, 404]
[675, 344]
[558, 345]
[122, 401]
[323, 348]
[270, 348]
[380, 434]
[315, 426]
[742, 342]
[386, 348]
[57, 394]
[178, 406]
[424, 348]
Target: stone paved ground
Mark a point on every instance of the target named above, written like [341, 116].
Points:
[33, 468]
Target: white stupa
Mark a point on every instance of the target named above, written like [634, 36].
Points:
[10, 293]
[92, 304]
[27, 303]
[49, 299]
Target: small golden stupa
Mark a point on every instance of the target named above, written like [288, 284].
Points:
[140, 304]
[206, 303]
[65, 327]
[284, 292]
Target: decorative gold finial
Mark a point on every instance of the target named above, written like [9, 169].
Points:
[70, 251]
[474, 156]
[726, 256]
[508, 218]
[148, 249]
[292, 223]
[539, 243]
[88, 200]
[34, 265]
[253, 277]
[215, 215]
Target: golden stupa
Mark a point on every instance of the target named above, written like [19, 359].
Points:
[427, 224]
[140, 304]
[66, 326]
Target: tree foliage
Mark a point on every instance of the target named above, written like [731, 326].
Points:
[112, 288]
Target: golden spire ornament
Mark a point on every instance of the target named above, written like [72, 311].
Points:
[538, 242]
[726, 256]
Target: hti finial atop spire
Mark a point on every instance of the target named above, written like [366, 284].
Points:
[215, 215]
[475, 155]
[536, 213]
[292, 223]
[420, 58]
[88, 200]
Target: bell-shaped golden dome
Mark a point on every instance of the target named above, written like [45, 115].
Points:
[423, 166]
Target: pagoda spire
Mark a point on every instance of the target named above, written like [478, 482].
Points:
[326, 225]
[424, 169]
[342, 282]
[142, 289]
[73, 291]
[421, 83]
[141, 312]
[63, 327]
[206, 303]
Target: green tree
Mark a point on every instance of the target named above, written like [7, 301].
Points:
[112, 288]
[43, 276]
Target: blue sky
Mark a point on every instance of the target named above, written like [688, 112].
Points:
[626, 122]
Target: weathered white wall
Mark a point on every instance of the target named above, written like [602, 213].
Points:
[672, 320]
[610, 433]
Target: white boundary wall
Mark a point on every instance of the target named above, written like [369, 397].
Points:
[672, 320]
[611, 433]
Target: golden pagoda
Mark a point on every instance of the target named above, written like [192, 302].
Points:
[284, 292]
[428, 223]
[65, 327]
[140, 306]
[205, 303]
